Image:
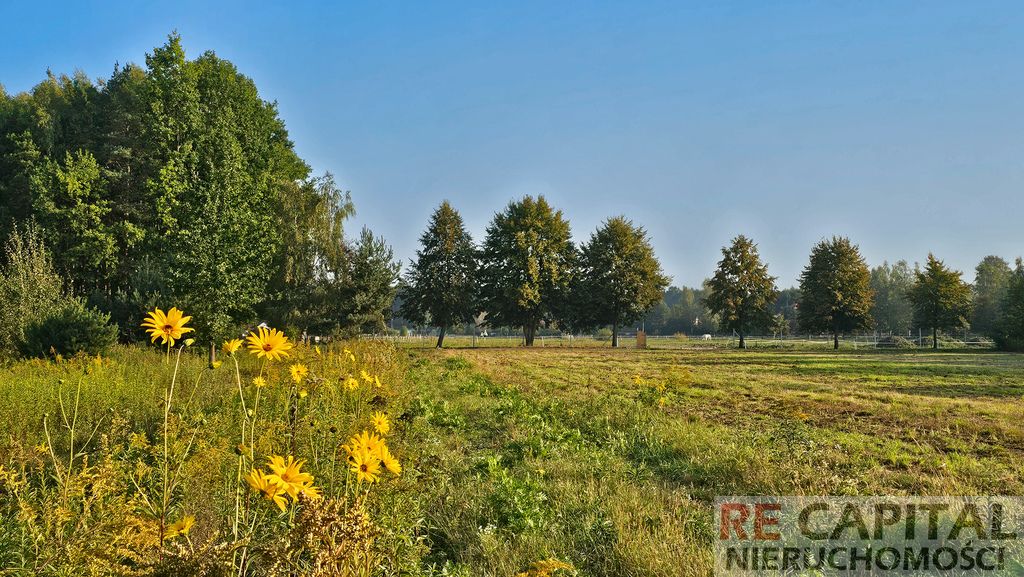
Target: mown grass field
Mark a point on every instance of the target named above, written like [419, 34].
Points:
[611, 458]
[605, 459]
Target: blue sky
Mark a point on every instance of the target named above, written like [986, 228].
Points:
[899, 124]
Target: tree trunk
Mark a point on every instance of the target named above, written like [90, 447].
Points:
[935, 338]
[440, 337]
[213, 354]
[835, 341]
[615, 334]
[529, 331]
[743, 343]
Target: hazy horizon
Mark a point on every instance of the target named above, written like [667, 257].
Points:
[897, 126]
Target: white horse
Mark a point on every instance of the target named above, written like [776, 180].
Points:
[705, 337]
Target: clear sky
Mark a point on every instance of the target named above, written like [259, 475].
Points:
[899, 124]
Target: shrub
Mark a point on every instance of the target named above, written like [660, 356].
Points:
[71, 329]
[30, 287]
[604, 334]
[895, 342]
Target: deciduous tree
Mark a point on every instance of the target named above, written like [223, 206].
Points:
[441, 283]
[940, 298]
[741, 291]
[835, 290]
[991, 280]
[526, 266]
[891, 309]
[619, 278]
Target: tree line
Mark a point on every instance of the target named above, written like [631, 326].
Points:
[174, 182]
[527, 273]
[839, 295]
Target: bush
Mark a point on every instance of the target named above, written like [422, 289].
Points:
[30, 287]
[895, 342]
[604, 334]
[70, 330]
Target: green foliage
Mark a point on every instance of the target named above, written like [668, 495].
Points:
[370, 287]
[835, 291]
[526, 266]
[1010, 335]
[30, 288]
[940, 298]
[891, 310]
[741, 292]
[69, 330]
[312, 260]
[75, 215]
[991, 280]
[441, 283]
[179, 170]
[619, 278]
[681, 310]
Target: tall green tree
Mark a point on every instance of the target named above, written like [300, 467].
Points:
[1010, 331]
[991, 281]
[891, 309]
[441, 282]
[526, 266]
[741, 292]
[313, 256]
[835, 290]
[74, 212]
[370, 287]
[619, 279]
[941, 299]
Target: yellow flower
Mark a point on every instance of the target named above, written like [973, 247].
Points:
[269, 343]
[364, 441]
[230, 347]
[546, 568]
[366, 376]
[365, 465]
[299, 372]
[303, 393]
[269, 486]
[349, 354]
[259, 382]
[376, 381]
[289, 476]
[181, 527]
[168, 327]
[351, 383]
[317, 349]
[381, 423]
[389, 461]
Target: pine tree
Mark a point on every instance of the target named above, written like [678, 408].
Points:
[741, 292]
[835, 290]
[619, 279]
[940, 298]
[441, 283]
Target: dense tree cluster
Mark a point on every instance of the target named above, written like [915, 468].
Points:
[527, 273]
[175, 183]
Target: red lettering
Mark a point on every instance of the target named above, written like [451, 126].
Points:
[736, 522]
[763, 517]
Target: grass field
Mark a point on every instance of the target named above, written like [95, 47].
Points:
[605, 459]
[610, 458]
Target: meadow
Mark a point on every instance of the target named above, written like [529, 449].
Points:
[607, 460]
